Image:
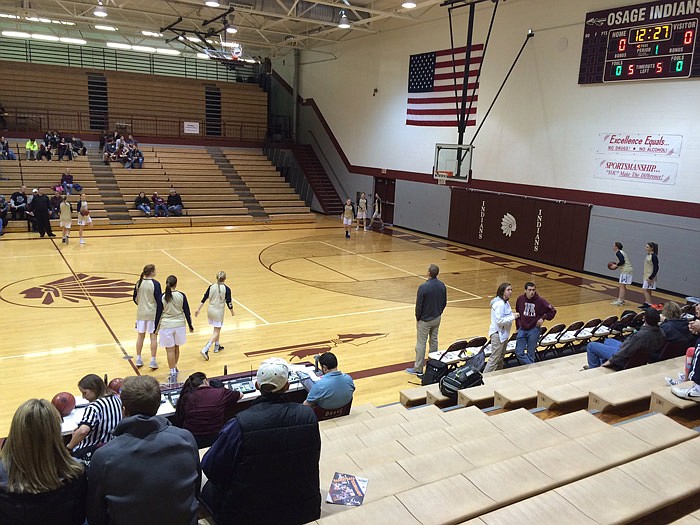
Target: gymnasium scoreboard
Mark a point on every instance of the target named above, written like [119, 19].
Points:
[655, 40]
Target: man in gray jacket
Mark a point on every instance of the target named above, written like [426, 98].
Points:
[149, 473]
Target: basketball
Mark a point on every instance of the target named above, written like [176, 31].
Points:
[612, 265]
[64, 403]
[115, 385]
[84, 213]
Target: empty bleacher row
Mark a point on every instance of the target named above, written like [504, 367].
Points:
[428, 466]
[208, 194]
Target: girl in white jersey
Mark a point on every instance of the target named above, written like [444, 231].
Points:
[176, 313]
[362, 211]
[84, 218]
[219, 295]
[64, 218]
[147, 296]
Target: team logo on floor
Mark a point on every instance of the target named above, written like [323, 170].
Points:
[69, 291]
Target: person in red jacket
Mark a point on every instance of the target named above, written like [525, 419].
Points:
[534, 310]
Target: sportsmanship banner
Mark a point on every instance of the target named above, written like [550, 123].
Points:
[636, 170]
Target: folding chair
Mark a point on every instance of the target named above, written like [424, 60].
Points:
[329, 413]
[568, 337]
[605, 328]
[587, 330]
[549, 340]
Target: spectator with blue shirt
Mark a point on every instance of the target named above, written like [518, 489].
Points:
[335, 389]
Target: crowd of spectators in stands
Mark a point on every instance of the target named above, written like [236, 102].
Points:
[156, 206]
[128, 464]
[115, 148]
[53, 145]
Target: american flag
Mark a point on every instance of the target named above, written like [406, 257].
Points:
[431, 87]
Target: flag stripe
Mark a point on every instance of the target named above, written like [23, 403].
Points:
[435, 84]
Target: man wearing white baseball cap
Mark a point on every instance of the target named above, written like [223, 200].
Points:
[273, 439]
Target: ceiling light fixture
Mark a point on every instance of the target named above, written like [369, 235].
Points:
[78, 41]
[16, 34]
[211, 3]
[106, 28]
[203, 56]
[47, 38]
[100, 10]
[344, 22]
[167, 51]
[231, 30]
[409, 5]
[144, 49]
[118, 45]
[152, 33]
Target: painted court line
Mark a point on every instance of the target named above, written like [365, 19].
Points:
[208, 281]
[348, 314]
[396, 268]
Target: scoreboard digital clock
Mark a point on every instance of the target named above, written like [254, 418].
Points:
[641, 42]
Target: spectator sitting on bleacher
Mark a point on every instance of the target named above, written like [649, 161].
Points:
[335, 389]
[31, 148]
[18, 204]
[273, 438]
[143, 203]
[64, 149]
[3, 213]
[67, 182]
[174, 203]
[6, 152]
[149, 473]
[39, 481]
[636, 348]
[693, 373]
[55, 204]
[134, 157]
[202, 408]
[694, 328]
[44, 152]
[52, 139]
[674, 328]
[77, 146]
[109, 153]
[159, 207]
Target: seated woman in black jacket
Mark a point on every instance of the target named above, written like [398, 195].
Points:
[39, 481]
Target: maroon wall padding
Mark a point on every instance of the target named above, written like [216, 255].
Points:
[546, 231]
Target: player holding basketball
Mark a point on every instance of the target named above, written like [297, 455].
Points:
[147, 296]
[219, 295]
[83, 215]
[176, 312]
[626, 270]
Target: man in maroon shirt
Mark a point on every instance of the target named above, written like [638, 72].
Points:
[202, 408]
[533, 310]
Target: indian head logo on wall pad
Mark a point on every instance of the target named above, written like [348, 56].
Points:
[508, 225]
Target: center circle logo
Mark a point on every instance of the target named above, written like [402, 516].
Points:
[70, 290]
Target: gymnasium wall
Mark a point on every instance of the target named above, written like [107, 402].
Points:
[678, 239]
[422, 207]
[541, 139]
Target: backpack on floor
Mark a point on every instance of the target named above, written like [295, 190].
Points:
[435, 370]
[463, 377]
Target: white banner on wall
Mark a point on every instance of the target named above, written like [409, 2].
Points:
[635, 170]
[191, 128]
[640, 144]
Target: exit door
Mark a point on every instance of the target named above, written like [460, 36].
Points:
[386, 189]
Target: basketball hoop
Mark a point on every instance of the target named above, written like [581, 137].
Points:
[441, 176]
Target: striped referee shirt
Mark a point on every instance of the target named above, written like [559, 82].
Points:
[102, 416]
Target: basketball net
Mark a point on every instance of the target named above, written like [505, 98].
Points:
[441, 176]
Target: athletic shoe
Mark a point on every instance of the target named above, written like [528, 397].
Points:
[357, 228]
[205, 353]
[172, 378]
[672, 382]
[366, 230]
[218, 349]
[617, 302]
[67, 239]
[63, 240]
[414, 372]
[347, 235]
[82, 241]
[153, 365]
[692, 393]
[138, 361]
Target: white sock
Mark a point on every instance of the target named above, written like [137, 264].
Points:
[216, 346]
[206, 347]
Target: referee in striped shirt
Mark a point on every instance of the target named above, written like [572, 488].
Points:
[99, 420]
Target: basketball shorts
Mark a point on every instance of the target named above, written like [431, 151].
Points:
[173, 336]
[216, 324]
[347, 222]
[376, 214]
[361, 214]
[649, 286]
[145, 327]
[625, 278]
[65, 225]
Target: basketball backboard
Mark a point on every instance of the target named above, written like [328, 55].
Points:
[453, 161]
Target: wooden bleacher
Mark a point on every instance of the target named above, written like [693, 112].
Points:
[268, 186]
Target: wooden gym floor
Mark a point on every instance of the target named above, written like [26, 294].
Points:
[299, 290]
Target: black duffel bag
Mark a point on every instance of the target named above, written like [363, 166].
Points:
[463, 377]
